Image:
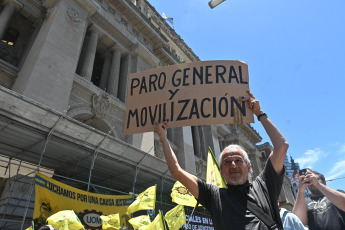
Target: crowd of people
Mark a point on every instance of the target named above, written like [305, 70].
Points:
[252, 205]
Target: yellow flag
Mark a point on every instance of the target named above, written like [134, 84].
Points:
[145, 200]
[212, 173]
[156, 224]
[29, 228]
[140, 221]
[65, 220]
[176, 217]
[181, 195]
[111, 221]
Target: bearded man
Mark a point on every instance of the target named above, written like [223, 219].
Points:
[325, 209]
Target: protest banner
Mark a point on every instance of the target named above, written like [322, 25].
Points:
[188, 94]
[198, 221]
[52, 196]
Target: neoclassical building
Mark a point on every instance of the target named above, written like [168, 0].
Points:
[64, 66]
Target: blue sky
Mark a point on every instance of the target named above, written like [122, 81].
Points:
[295, 51]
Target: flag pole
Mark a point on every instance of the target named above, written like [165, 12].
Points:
[163, 219]
[185, 227]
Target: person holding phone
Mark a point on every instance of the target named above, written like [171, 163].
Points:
[325, 209]
[228, 206]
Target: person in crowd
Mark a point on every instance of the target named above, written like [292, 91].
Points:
[325, 209]
[228, 206]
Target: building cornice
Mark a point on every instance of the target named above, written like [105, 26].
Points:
[172, 34]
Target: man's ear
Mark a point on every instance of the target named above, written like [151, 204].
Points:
[249, 167]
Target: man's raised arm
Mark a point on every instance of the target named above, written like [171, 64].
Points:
[280, 145]
[187, 179]
[299, 208]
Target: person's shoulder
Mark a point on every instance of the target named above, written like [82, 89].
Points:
[268, 167]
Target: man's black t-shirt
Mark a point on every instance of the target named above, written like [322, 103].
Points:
[228, 207]
[324, 215]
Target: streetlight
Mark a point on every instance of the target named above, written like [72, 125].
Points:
[214, 3]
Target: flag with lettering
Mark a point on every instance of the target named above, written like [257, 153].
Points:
[176, 217]
[52, 196]
[181, 195]
[157, 224]
[140, 221]
[145, 200]
[213, 175]
[111, 221]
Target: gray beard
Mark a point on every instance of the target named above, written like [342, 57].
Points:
[237, 181]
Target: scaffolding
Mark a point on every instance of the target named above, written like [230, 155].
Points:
[41, 139]
[36, 138]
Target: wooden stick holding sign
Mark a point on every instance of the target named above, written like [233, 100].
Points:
[188, 94]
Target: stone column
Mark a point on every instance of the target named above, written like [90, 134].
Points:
[203, 146]
[185, 153]
[125, 70]
[196, 141]
[5, 17]
[89, 58]
[48, 72]
[211, 139]
[113, 81]
[105, 72]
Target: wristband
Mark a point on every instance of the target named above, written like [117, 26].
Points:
[262, 115]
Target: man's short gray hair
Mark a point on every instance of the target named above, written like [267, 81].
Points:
[234, 148]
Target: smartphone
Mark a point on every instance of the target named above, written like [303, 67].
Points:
[302, 172]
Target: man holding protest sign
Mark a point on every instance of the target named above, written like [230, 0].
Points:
[228, 206]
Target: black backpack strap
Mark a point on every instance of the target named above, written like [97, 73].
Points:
[259, 213]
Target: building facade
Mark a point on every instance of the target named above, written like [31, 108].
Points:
[64, 66]
[292, 169]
